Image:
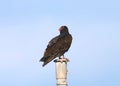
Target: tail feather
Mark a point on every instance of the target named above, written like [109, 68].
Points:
[43, 59]
[43, 64]
[47, 60]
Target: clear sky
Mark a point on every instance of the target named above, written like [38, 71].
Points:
[26, 27]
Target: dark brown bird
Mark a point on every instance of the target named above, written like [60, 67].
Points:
[57, 46]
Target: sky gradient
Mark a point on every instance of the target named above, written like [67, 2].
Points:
[26, 27]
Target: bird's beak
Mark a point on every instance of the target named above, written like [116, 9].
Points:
[59, 29]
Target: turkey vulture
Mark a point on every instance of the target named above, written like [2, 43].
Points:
[57, 46]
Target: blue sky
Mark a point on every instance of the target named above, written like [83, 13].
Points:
[26, 26]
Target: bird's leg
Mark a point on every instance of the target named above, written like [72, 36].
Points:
[65, 59]
[63, 56]
[60, 57]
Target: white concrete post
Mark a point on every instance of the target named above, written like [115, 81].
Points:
[61, 71]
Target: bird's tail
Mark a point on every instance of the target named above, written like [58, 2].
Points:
[46, 60]
[43, 59]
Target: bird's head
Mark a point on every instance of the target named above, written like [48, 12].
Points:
[63, 30]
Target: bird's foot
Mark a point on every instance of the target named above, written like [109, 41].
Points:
[60, 58]
[64, 58]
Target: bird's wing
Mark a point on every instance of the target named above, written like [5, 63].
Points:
[56, 47]
[52, 41]
[50, 48]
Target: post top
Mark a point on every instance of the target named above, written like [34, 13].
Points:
[61, 60]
